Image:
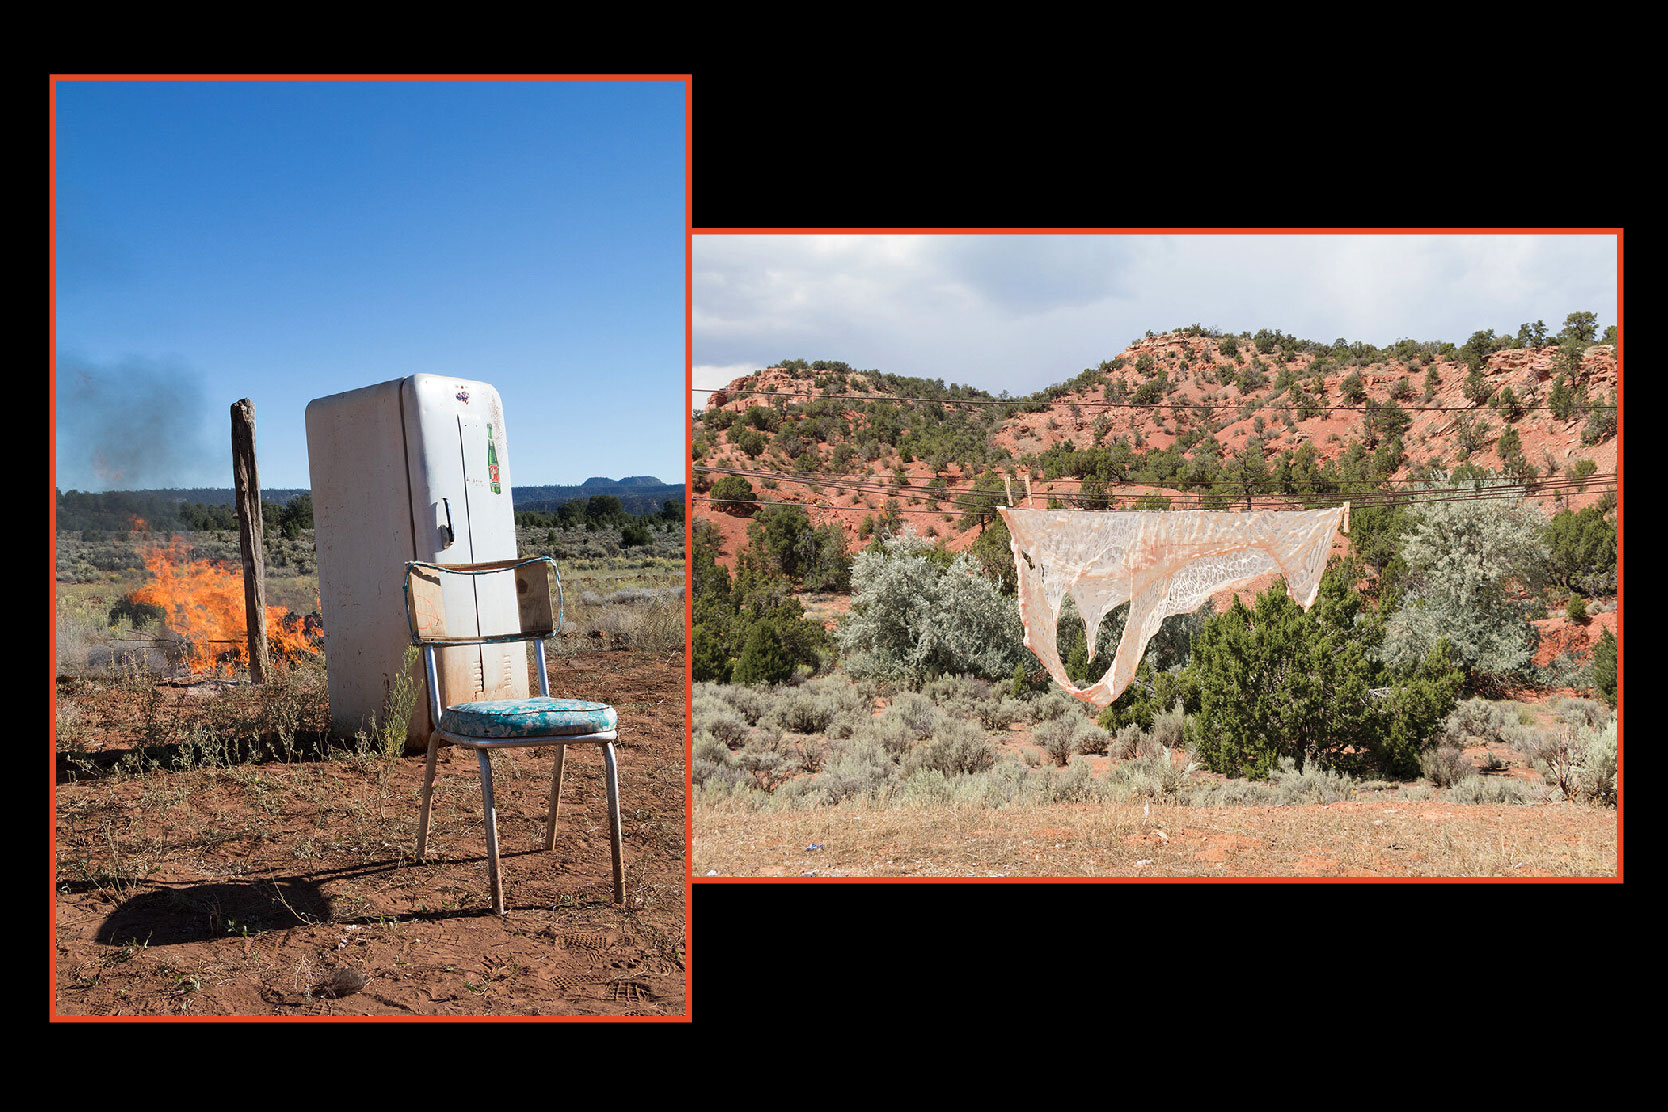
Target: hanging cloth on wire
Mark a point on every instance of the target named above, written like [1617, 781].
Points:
[1160, 562]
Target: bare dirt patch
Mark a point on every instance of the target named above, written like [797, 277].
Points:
[284, 884]
[1389, 839]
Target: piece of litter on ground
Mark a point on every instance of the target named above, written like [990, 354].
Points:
[1143, 862]
[712, 872]
[819, 845]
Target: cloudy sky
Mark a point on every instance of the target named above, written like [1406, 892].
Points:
[285, 240]
[1019, 312]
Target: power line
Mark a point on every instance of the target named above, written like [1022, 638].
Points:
[1224, 499]
[1019, 402]
[1336, 486]
[1223, 492]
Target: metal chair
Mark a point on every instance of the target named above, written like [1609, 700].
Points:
[445, 618]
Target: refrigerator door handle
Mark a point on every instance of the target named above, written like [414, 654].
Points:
[446, 526]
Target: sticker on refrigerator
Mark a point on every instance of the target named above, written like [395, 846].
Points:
[492, 463]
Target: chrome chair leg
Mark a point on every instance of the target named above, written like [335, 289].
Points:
[555, 798]
[614, 820]
[491, 832]
[428, 796]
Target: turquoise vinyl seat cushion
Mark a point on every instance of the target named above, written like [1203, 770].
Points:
[540, 716]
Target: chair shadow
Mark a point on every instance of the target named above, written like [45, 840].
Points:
[203, 912]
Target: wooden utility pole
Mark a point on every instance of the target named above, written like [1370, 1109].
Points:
[250, 531]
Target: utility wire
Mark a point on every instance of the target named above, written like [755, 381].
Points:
[1227, 498]
[1365, 485]
[1135, 405]
[1225, 502]
[1224, 491]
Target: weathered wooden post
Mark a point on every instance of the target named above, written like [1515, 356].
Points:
[249, 531]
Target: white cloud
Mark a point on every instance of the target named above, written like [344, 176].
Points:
[1018, 312]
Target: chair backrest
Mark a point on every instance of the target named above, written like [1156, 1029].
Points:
[448, 604]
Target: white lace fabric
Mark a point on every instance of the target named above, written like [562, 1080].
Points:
[1161, 562]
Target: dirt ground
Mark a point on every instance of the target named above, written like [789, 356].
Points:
[1340, 840]
[286, 886]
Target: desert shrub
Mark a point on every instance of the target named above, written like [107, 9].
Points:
[957, 748]
[1072, 784]
[1596, 778]
[767, 760]
[913, 617]
[805, 712]
[1169, 729]
[1128, 741]
[1490, 789]
[855, 769]
[1445, 766]
[1480, 719]
[963, 697]
[1579, 762]
[1526, 739]
[1563, 670]
[1468, 564]
[915, 712]
[1310, 784]
[999, 714]
[1232, 793]
[1090, 739]
[715, 779]
[1581, 713]
[751, 703]
[1056, 736]
[706, 747]
[1054, 705]
[852, 704]
[1153, 777]
[718, 719]
[889, 733]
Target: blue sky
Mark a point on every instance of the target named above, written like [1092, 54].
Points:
[282, 241]
[1020, 312]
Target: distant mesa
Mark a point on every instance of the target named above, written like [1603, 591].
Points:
[628, 481]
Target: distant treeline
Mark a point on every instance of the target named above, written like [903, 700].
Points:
[291, 511]
[201, 509]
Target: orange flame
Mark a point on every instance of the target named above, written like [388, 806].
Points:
[202, 601]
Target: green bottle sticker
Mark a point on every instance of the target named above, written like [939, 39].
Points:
[492, 463]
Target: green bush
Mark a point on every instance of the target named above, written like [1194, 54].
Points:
[1581, 550]
[764, 657]
[1473, 567]
[1272, 683]
[733, 494]
[1604, 666]
[914, 617]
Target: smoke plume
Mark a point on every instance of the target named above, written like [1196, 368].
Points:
[137, 424]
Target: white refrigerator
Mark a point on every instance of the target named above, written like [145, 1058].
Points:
[415, 469]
